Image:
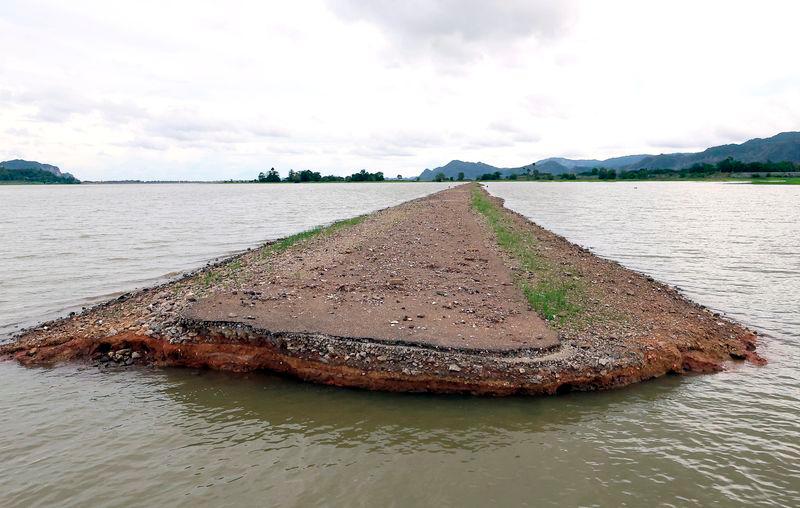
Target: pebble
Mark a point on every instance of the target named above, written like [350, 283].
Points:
[454, 368]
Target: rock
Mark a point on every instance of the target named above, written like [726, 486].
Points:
[135, 355]
[32, 351]
[454, 368]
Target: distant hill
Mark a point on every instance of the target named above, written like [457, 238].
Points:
[612, 163]
[19, 170]
[554, 165]
[779, 148]
[782, 147]
[22, 164]
[471, 170]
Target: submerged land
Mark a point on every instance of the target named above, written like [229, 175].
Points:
[451, 293]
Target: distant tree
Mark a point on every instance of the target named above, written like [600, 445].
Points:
[292, 177]
[399, 177]
[262, 177]
[366, 176]
[460, 176]
[439, 177]
[490, 176]
[512, 176]
[607, 174]
[307, 175]
[272, 176]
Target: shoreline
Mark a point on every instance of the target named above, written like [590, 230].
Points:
[269, 308]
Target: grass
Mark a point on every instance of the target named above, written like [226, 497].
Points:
[552, 294]
[304, 236]
[230, 271]
[776, 181]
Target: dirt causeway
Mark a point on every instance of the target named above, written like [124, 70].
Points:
[425, 296]
[425, 273]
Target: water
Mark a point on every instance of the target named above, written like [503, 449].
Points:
[64, 247]
[73, 437]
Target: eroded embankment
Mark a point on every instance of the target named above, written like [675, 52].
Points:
[448, 293]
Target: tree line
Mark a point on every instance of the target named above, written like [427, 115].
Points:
[306, 175]
[697, 170]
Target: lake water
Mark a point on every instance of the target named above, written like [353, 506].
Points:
[65, 247]
[79, 437]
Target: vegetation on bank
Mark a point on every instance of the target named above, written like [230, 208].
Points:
[303, 236]
[307, 175]
[228, 271]
[777, 181]
[759, 172]
[33, 176]
[554, 295]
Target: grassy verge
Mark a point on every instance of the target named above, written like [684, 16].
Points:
[776, 181]
[230, 271]
[555, 296]
[304, 236]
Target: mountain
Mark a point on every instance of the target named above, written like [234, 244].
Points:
[19, 170]
[554, 165]
[779, 148]
[471, 170]
[612, 163]
[18, 164]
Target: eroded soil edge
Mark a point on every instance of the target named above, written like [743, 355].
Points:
[417, 297]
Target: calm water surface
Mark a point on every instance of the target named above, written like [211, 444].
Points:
[74, 437]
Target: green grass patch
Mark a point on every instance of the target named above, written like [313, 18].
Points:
[555, 296]
[304, 236]
[776, 181]
[230, 271]
[210, 277]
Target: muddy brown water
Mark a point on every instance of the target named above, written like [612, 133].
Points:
[72, 436]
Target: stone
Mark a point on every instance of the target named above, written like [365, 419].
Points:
[454, 368]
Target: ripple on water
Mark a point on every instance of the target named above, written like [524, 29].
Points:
[79, 437]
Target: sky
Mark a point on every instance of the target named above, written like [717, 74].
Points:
[214, 90]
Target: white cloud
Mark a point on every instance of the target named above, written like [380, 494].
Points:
[206, 90]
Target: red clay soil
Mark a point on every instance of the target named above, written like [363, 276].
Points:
[416, 297]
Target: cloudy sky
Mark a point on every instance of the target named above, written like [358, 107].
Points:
[208, 90]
